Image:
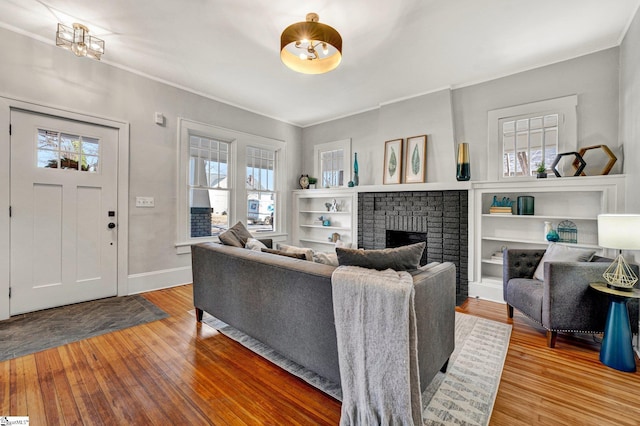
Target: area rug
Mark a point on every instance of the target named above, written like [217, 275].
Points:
[463, 396]
[36, 331]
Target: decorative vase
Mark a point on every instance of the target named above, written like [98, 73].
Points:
[463, 169]
[526, 205]
[550, 233]
[356, 179]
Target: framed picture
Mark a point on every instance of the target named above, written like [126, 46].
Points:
[416, 159]
[392, 161]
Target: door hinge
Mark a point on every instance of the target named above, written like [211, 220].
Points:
[9, 211]
[9, 129]
[9, 292]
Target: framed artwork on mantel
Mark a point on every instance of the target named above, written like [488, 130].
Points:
[392, 161]
[416, 159]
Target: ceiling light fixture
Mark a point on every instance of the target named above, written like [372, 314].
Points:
[311, 47]
[78, 40]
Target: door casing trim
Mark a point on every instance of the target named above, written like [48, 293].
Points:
[6, 105]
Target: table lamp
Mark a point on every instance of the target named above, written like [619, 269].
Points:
[620, 232]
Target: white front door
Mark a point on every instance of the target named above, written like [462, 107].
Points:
[63, 211]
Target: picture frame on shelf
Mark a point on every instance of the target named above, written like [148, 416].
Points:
[392, 161]
[416, 159]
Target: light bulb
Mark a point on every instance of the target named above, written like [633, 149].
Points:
[302, 56]
[325, 49]
[79, 49]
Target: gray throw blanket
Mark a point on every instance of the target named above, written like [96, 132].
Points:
[377, 346]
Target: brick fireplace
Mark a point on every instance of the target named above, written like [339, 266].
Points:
[442, 216]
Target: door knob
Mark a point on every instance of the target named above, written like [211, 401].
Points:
[111, 225]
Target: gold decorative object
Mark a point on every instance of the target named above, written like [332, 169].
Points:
[606, 150]
[78, 40]
[311, 47]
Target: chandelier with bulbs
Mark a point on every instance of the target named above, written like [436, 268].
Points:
[311, 47]
[78, 40]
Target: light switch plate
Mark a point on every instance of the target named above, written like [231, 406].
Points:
[145, 202]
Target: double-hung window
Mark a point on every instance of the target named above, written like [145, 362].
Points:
[332, 166]
[226, 176]
[209, 198]
[261, 188]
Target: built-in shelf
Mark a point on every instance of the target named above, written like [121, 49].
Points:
[309, 204]
[578, 199]
[530, 217]
[339, 228]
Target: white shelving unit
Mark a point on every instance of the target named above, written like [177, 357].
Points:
[578, 199]
[310, 204]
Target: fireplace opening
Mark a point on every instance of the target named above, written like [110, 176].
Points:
[403, 238]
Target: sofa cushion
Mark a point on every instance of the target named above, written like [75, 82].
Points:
[301, 256]
[325, 258]
[405, 258]
[307, 252]
[561, 253]
[236, 236]
[253, 244]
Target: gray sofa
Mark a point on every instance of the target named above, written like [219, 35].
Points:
[287, 304]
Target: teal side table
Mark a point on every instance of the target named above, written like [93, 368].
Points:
[617, 348]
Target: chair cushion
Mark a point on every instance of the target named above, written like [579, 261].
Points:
[525, 295]
[561, 253]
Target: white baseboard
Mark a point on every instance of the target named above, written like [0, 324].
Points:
[486, 291]
[156, 280]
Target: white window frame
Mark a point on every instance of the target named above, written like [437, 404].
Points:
[277, 150]
[565, 107]
[319, 149]
[237, 164]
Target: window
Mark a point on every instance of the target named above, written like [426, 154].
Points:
[523, 136]
[208, 186]
[528, 142]
[260, 185]
[332, 163]
[225, 176]
[70, 152]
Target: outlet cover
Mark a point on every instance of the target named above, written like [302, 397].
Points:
[145, 202]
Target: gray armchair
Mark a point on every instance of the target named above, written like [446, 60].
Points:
[563, 302]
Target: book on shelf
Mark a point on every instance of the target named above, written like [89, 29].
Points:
[500, 210]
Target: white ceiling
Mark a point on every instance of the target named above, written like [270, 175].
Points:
[392, 49]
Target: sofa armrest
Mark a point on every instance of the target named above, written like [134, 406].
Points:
[519, 263]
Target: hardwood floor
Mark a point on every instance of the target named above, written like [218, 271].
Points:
[174, 371]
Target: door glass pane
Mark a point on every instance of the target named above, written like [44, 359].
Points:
[68, 152]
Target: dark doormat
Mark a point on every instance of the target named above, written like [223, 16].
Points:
[36, 331]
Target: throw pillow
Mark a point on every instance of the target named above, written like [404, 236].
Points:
[405, 258]
[300, 256]
[325, 258]
[236, 236]
[255, 245]
[308, 253]
[561, 253]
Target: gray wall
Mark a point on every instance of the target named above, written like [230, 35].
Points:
[463, 112]
[33, 71]
[630, 114]
[630, 111]
[423, 115]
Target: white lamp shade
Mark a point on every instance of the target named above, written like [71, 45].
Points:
[619, 231]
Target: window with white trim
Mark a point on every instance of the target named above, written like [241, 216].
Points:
[213, 165]
[523, 136]
[209, 187]
[332, 165]
[261, 189]
[527, 142]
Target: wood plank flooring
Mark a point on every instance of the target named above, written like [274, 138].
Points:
[174, 371]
